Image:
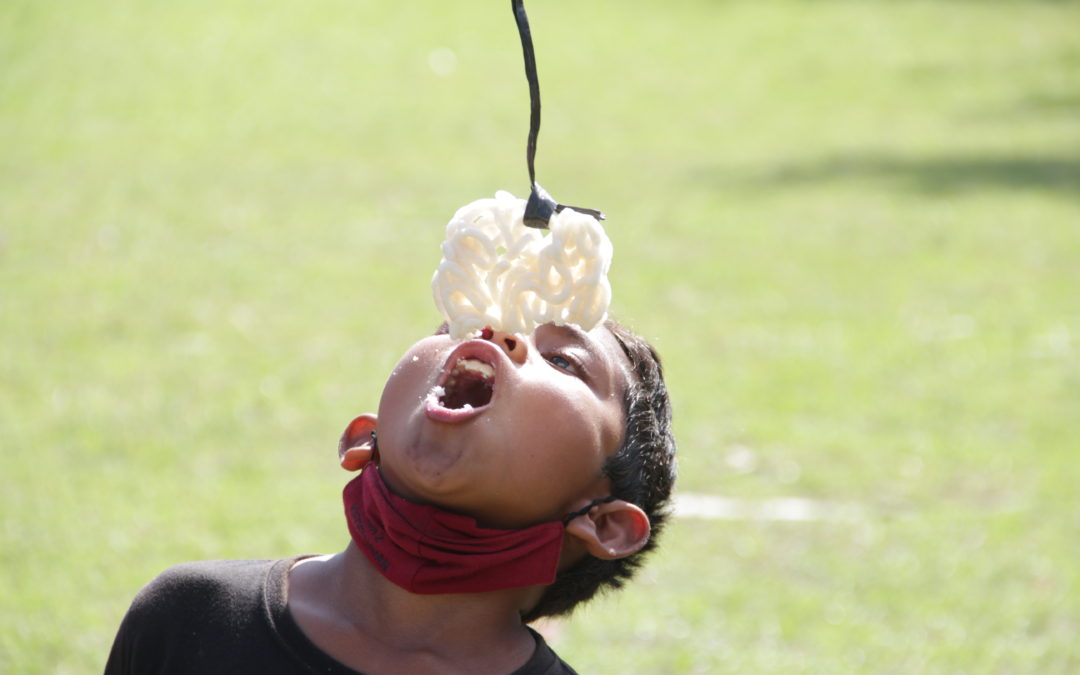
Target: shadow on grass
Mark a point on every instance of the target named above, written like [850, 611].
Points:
[1050, 102]
[936, 176]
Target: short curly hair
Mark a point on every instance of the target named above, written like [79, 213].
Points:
[641, 472]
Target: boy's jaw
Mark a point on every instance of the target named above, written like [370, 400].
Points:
[468, 383]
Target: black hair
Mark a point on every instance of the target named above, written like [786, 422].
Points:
[642, 472]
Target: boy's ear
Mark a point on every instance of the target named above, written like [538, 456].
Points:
[613, 530]
[357, 445]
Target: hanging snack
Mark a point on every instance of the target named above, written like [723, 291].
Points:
[497, 272]
[501, 271]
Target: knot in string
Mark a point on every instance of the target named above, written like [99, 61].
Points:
[540, 206]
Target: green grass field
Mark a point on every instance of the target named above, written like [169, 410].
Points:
[851, 228]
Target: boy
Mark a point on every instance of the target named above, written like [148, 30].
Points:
[505, 478]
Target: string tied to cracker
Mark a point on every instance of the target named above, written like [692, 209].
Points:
[513, 264]
[540, 206]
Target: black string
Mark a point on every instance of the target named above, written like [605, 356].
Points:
[534, 84]
[588, 507]
[541, 206]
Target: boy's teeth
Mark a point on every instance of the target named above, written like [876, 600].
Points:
[476, 367]
[470, 385]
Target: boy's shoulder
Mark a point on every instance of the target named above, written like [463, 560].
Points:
[230, 616]
[190, 582]
[192, 617]
[206, 591]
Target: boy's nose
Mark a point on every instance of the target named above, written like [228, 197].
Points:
[513, 345]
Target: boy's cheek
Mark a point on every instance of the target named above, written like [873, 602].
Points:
[421, 362]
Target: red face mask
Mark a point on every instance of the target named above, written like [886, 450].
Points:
[425, 549]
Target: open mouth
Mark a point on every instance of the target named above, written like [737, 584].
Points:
[469, 385]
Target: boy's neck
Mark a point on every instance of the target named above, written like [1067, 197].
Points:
[352, 612]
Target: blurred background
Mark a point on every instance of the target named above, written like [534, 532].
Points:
[851, 228]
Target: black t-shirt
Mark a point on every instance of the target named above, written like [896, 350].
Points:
[230, 616]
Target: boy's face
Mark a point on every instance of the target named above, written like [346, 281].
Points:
[519, 431]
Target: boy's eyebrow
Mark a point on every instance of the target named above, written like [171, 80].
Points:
[575, 332]
[578, 335]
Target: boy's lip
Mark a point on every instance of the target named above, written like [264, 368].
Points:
[480, 350]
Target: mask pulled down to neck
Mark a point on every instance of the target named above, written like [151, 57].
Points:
[426, 550]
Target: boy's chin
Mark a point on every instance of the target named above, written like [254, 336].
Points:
[428, 474]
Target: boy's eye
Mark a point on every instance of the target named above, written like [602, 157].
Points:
[562, 363]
